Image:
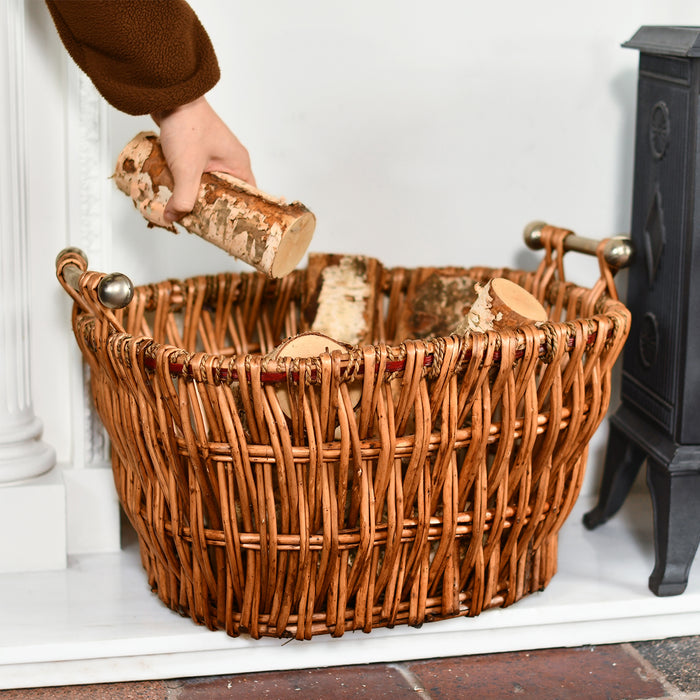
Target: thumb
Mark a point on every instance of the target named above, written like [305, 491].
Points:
[184, 194]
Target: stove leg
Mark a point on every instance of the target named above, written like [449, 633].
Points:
[675, 497]
[623, 458]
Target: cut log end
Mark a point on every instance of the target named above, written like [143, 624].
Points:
[293, 245]
[501, 303]
[305, 345]
[516, 299]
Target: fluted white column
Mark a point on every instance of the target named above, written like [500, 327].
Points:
[22, 453]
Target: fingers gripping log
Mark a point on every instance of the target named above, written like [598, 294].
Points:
[257, 228]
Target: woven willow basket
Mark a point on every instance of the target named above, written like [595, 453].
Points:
[441, 494]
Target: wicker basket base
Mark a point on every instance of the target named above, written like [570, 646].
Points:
[292, 612]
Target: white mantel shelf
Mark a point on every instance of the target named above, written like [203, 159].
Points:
[97, 621]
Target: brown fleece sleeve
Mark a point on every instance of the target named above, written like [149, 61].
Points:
[144, 56]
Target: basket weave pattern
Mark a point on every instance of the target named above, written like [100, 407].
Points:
[439, 495]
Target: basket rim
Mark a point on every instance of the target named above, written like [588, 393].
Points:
[221, 374]
[220, 368]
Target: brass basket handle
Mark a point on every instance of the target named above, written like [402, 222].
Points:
[114, 291]
[612, 253]
[618, 251]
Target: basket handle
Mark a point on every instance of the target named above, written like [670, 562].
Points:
[613, 253]
[617, 252]
[114, 291]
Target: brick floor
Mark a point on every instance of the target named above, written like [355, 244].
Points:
[605, 672]
[668, 669]
[374, 681]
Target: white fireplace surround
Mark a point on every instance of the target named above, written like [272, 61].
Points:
[347, 132]
[51, 508]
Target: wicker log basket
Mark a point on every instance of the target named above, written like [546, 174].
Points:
[440, 494]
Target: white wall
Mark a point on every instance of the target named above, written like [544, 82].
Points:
[425, 132]
[421, 133]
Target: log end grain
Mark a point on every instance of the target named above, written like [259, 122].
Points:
[293, 245]
[501, 303]
[304, 345]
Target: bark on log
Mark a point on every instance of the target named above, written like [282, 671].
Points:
[340, 296]
[501, 303]
[260, 229]
[436, 300]
[309, 344]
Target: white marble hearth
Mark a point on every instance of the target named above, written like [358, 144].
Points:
[97, 621]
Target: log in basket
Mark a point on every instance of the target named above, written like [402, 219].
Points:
[440, 494]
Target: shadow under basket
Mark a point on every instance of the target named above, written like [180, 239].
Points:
[438, 493]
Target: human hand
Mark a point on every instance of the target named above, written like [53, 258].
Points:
[195, 140]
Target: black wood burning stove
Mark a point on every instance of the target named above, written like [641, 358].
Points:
[659, 417]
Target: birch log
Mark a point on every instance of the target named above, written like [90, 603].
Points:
[309, 344]
[260, 229]
[501, 303]
[436, 300]
[340, 296]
